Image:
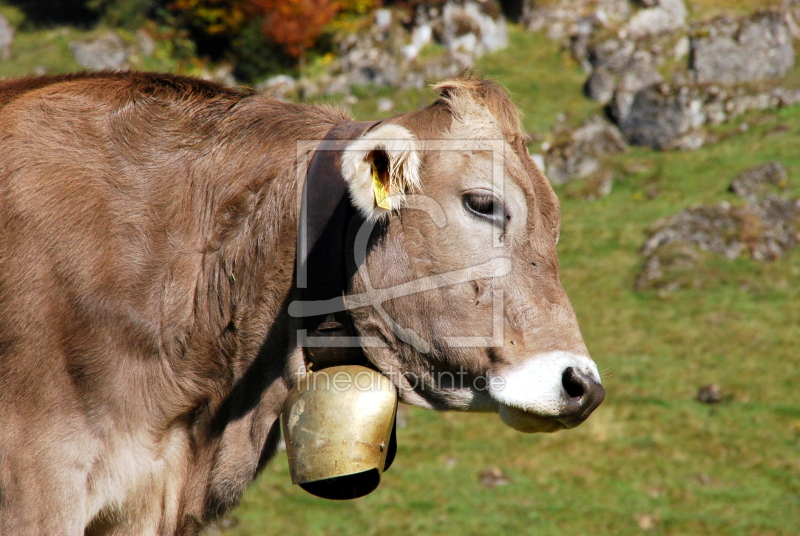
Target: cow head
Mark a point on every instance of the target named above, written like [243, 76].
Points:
[462, 303]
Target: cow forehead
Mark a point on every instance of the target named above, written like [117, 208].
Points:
[480, 149]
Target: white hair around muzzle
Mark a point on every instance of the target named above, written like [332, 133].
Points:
[536, 385]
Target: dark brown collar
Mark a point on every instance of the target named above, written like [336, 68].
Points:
[323, 223]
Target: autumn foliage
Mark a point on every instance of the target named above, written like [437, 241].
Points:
[296, 24]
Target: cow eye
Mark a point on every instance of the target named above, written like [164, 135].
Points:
[485, 205]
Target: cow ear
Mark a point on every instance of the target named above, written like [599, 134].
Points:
[380, 168]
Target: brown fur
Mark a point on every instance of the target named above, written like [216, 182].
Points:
[147, 250]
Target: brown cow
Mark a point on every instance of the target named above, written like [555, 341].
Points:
[147, 259]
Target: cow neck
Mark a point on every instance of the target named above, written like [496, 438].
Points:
[324, 220]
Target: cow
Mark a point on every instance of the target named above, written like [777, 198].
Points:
[148, 255]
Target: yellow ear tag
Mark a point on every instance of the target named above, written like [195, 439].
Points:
[381, 193]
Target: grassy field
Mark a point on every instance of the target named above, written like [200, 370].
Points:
[652, 459]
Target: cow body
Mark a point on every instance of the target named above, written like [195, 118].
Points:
[147, 256]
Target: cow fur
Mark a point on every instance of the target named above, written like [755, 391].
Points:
[147, 253]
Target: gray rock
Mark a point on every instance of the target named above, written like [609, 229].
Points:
[666, 17]
[763, 229]
[420, 36]
[6, 38]
[752, 182]
[659, 115]
[639, 73]
[601, 85]
[466, 27]
[559, 18]
[583, 152]
[612, 54]
[385, 105]
[744, 50]
[383, 18]
[105, 52]
[147, 45]
[281, 87]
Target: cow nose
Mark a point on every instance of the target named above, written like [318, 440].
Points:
[584, 394]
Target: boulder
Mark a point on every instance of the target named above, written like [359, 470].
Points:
[104, 52]
[560, 17]
[282, 87]
[582, 152]
[731, 51]
[763, 229]
[469, 28]
[6, 38]
[665, 16]
[619, 68]
[661, 114]
[639, 73]
[753, 182]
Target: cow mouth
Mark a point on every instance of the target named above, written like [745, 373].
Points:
[556, 391]
[530, 423]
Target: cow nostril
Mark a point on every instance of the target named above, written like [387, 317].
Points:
[572, 384]
[584, 395]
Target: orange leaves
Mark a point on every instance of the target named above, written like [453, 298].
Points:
[296, 24]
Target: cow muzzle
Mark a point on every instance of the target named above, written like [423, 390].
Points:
[548, 392]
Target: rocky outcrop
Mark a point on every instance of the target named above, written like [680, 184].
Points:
[104, 52]
[754, 182]
[671, 116]
[763, 229]
[717, 66]
[6, 38]
[659, 115]
[583, 152]
[389, 52]
[660, 17]
[731, 51]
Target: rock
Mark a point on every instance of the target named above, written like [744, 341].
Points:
[389, 54]
[421, 36]
[710, 394]
[105, 52]
[492, 477]
[147, 45]
[671, 267]
[754, 181]
[762, 229]
[661, 114]
[383, 18]
[778, 231]
[640, 72]
[666, 17]
[689, 142]
[601, 85]
[580, 40]
[583, 152]
[385, 105]
[743, 50]
[717, 229]
[612, 54]
[281, 87]
[466, 27]
[559, 17]
[6, 38]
